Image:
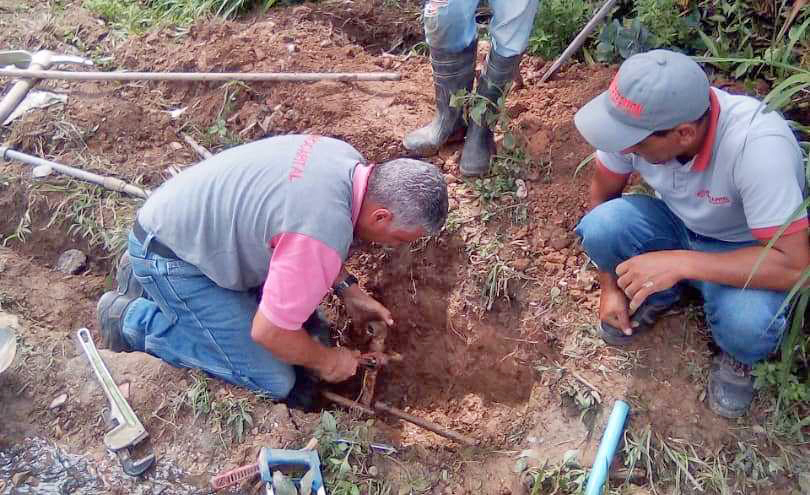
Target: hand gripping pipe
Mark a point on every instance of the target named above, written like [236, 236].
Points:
[610, 440]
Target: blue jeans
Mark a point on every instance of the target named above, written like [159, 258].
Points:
[191, 322]
[450, 24]
[742, 320]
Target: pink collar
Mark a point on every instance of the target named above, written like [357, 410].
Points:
[704, 156]
[359, 185]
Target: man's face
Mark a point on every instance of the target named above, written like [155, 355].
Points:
[657, 149]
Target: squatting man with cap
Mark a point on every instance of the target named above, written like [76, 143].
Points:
[728, 175]
[275, 217]
[451, 33]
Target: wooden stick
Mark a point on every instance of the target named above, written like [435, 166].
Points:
[393, 411]
[580, 39]
[201, 76]
[200, 149]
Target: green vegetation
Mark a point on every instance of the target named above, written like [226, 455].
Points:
[556, 24]
[135, 17]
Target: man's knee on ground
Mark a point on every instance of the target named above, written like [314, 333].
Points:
[746, 326]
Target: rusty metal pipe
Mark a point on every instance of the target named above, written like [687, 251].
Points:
[393, 411]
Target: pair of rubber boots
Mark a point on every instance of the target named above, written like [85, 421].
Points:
[453, 72]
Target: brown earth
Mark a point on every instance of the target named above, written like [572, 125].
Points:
[504, 376]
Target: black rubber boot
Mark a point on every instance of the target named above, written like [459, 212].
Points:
[479, 143]
[451, 72]
[731, 387]
[110, 312]
[127, 283]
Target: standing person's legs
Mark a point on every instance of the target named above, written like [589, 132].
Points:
[450, 30]
[450, 24]
[511, 25]
[189, 321]
[622, 228]
[746, 325]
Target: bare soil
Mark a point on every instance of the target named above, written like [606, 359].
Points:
[504, 375]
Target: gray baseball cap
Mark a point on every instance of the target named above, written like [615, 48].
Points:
[652, 91]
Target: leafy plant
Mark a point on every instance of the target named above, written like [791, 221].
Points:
[621, 40]
[557, 23]
[668, 26]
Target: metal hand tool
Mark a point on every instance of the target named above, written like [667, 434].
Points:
[30, 61]
[127, 429]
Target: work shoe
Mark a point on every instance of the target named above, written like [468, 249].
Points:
[306, 393]
[451, 73]
[479, 143]
[127, 283]
[731, 387]
[110, 313]
[642, 321]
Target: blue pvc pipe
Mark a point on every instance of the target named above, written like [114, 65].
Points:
[610, 440]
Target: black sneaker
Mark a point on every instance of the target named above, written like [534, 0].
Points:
[642, 321]
[306, 393]
[731, 387]
[110, 312]
[127, 283]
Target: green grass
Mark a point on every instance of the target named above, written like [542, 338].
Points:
[556, 24]
[136, 17]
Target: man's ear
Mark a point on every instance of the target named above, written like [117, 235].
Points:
[687, 133]
[382, 216]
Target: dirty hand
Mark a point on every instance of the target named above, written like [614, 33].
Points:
[340, 364]
[646, 274]
[613, 310]
[363, 309]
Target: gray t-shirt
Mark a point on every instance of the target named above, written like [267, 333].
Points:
[746, 182]
[222, 214]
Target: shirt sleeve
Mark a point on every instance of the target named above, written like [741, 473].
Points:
[768, 178]
[614, 163]
[302, 270]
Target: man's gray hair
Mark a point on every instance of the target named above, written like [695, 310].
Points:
[413, 190]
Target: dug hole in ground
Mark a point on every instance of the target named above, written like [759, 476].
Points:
[495, 317]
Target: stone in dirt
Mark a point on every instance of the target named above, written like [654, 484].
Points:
[58, 402]
[71, 262]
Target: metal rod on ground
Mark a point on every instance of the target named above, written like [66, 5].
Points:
[393, 411]
[110, 183]
[202, 76]
[580, 39]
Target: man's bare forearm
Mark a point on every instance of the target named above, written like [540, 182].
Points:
[734, 268]
[295, 347]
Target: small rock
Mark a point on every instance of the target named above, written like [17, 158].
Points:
[522, 191]
[175, 146]
[325, 43]
[71, 262]
[386, 63]
[292, 115]
[372, 471]
[521, 263]
[291, 48]
[125, 389]
[58, 402]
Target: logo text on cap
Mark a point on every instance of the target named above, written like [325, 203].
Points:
[627, 105]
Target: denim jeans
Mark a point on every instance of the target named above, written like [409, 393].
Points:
[189, 321]
[742, 320]
[450, 24]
